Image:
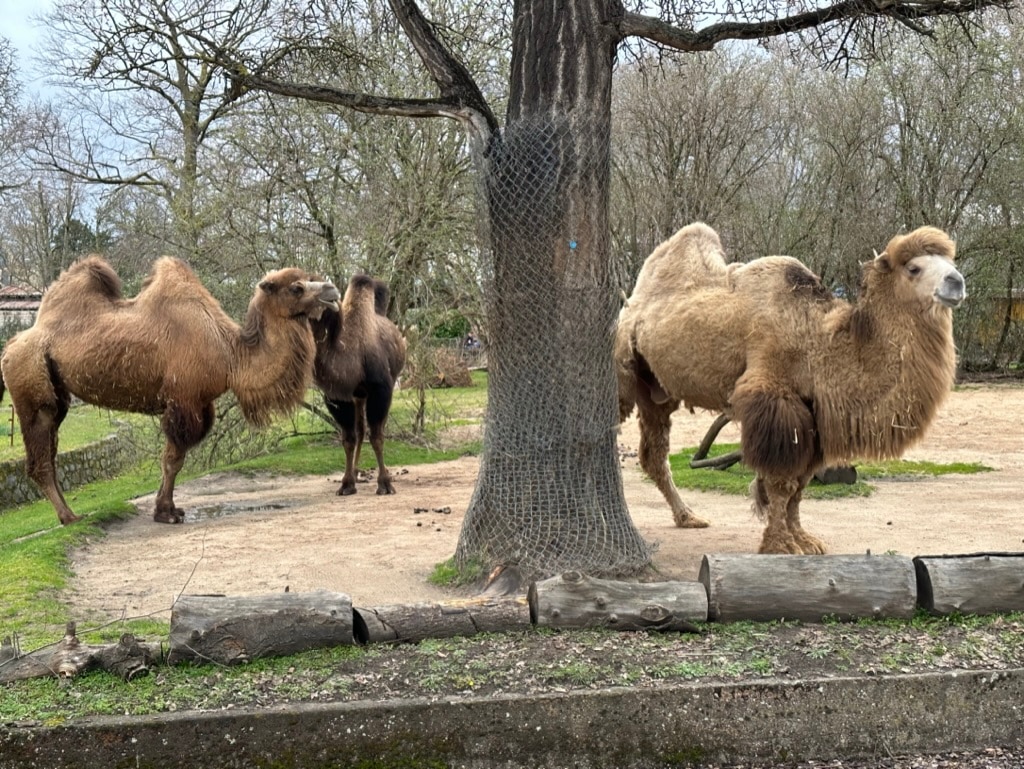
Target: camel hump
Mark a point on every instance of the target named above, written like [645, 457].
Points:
[923, 240]
[381, 295]
[691, 259]
[169, 268]
[99, 275]
[363, 287]
[778, 278]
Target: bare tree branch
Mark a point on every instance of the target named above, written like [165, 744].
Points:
[659, 31]
[449, 73]
[460, 97]
[361, 102]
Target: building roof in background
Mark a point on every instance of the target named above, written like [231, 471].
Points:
[19, 299]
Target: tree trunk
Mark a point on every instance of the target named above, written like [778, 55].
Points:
[128, 658]
[549, 496]
[416, 622]
[229, 630]
[574, 600]
[809, 588]
[984, 583]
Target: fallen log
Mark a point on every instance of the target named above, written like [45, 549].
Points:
[979, 583]
[415, 622]
[574, 600]
[233, 629]
[128, 658]
[808, 587]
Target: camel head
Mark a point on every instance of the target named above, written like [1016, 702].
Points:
[918, 268]
[292, 293]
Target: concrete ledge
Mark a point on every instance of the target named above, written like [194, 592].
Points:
[667, 726]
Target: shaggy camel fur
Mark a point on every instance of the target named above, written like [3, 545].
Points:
[813, 380]
[359, 355]
[171, 350]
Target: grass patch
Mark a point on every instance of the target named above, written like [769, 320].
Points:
[448, 574]
[34, 553]
[83, 425]
[736, 479]
[34, 547]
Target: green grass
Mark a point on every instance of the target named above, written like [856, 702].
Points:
[83, 425]
[34, 547]
[736, 479]
[34, 553]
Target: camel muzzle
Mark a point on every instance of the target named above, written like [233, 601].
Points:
[329, 294]
[952, 291]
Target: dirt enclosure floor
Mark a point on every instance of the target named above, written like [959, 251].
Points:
[261, 535]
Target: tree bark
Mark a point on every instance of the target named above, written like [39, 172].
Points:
[549, 495]
[574, 600]
[230, 629]
[416, 622]
[127, 659]
[982, 583]
[808, 587]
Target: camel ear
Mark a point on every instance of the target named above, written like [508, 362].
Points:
[882, 263]
[268, 286]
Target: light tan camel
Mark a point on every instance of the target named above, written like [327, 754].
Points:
[359, 355]
[812, 379]
[171, 350]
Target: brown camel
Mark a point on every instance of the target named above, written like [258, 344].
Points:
[813, 380]
[171, 350]
[359, 355]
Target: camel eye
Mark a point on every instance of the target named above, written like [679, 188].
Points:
[296, 289]
[913, 270]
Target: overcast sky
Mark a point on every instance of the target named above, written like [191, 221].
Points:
[17, 26]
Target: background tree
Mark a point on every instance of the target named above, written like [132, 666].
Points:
[143, 101]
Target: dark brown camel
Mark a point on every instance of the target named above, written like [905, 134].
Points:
[171, 350]
[359, 355]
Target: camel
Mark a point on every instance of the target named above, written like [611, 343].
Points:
[812, 379]
[359, 355]
[171, 350]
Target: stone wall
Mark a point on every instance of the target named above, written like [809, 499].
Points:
[96, 461]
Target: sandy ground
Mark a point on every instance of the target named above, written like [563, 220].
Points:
[295, 533]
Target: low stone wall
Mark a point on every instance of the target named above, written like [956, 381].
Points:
[96, 461]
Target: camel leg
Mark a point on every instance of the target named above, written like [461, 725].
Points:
[344, 413]
[39, 432]
[184, 428]
[377, 406]
[772, 496]
[808, 543]
[655, 425]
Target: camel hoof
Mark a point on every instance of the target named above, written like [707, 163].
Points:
[780, 548]
[69, 518]
[169, 516]
[385, 488]
[346, 490]
[810, 545]
[685, 519]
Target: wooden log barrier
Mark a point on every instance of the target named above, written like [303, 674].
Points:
[574, 600]
[128, 658]
[980, 583]
[416, 622]
[808, 587]
[235, 629]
